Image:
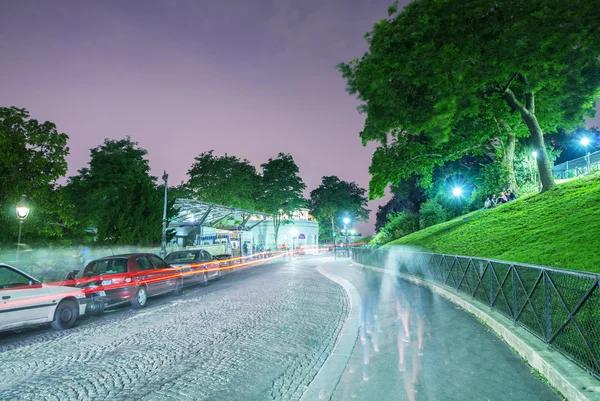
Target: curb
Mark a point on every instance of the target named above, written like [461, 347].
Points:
[325, 382]
[568, 378]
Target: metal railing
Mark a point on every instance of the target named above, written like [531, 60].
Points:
[561, 307]
[576, 167]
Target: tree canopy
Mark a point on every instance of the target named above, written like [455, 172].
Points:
[335, 198]
[117, 195]
[435, 66]
[32, 158]
[280, 190]
[225, 180]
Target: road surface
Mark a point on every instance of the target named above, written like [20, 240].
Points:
[259, 334]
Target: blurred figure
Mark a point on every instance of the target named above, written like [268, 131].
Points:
[84, 255]
[369, 329]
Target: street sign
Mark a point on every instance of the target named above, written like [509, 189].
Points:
[240, 228]
[301, 236]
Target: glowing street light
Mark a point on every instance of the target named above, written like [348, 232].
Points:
[534, 154]
[22, 211]
[457, 191]
[346, 220]
[585, 142]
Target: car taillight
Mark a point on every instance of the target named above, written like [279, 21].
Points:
[128, 280]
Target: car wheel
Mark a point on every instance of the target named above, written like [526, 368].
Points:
[140, 298]
[178, 290]
[65, 314]
[94, 308]
[204, 281]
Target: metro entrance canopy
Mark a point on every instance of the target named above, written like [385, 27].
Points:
[196, 213]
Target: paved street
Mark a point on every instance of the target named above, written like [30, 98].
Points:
[417, 346]
[259, 334]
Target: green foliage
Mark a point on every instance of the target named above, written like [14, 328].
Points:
[117, 195]
[431, 78]
[32, 158]
[431, 213]
[398, 226]
[556, 228]
[334, 199]
[280, 190]
[225, 180]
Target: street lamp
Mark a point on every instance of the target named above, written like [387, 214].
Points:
[163, 242]
[457, 191]
[346, 222]
[22, 213]
[585, 141]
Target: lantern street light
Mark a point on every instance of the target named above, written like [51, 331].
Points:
[22, 213]
[457, 191]
[163, 242]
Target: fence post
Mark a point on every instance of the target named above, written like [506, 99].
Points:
[547, 316]
[490, 273]
[514, 290]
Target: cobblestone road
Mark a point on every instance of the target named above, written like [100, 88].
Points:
[260, 334]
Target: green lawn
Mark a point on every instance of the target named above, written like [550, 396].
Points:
[559, 228]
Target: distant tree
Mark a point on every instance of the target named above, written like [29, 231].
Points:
[32, 158]
[280, 190]
[117, 195]
[225, 180]
[437, 63]
[335, 198]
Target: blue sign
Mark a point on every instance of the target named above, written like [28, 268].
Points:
[240, 228]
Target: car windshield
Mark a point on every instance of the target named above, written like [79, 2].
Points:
[106, 266]
[181, 257]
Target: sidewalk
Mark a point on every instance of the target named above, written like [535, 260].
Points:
[416, 346]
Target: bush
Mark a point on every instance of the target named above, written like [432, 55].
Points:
[398, 225]
[431, 213]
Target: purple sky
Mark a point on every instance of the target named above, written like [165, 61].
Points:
[248, 77]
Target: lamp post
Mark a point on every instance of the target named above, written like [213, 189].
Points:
[346, 222]
[22, 213]
[163, 242]
[585, 141]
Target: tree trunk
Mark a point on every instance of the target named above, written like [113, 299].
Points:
[508, 159]
[537, 136]
[276, 223]
[333, 233]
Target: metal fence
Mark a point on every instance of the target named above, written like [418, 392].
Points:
[576, 167]
[561, 307]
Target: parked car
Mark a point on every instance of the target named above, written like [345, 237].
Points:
[130, 278]
[25, 301]
[198, 266]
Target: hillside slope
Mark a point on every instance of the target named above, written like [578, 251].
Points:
[559, 228]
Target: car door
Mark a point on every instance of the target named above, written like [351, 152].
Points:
[23, 300]
[210, 264]
[150, 275]
[169, 274]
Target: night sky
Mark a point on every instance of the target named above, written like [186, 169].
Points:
[246, 77]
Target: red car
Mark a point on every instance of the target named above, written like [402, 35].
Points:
[129, 278]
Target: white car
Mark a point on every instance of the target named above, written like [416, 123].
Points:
[25, 301]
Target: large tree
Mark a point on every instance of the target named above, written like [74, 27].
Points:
[280, 190]
[117, 195]
[436, 64]
[335, 198]
[32, 158]
[224, 180]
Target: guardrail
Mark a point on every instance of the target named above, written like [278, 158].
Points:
[561, 307]
[576, 167]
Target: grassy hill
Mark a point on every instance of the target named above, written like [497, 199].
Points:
[559, 228]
